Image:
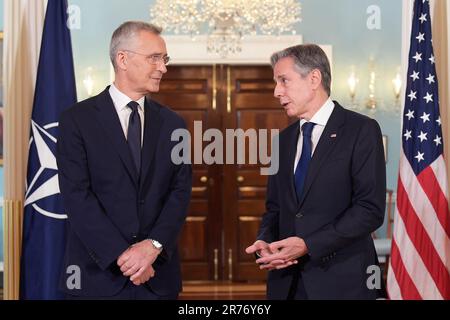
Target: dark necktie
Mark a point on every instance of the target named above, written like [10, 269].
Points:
[302, 166]
[134, 134]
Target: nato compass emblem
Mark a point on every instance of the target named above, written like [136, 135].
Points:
[42, 187]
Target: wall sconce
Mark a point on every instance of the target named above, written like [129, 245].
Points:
[397, 86]
[352, 82]
[88, 82]
[372, 102]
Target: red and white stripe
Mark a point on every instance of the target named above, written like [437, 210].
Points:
[420, 255]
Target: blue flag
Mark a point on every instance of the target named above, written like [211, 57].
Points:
[44, 225]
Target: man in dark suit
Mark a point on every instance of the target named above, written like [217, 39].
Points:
[125, 199]
[329, 193]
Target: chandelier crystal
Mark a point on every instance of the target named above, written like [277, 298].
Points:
[226, 21]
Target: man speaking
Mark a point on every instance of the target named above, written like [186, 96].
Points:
[329, 193]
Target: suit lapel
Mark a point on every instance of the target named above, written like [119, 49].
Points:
[152, 129]
[109, 119]
[327, 142]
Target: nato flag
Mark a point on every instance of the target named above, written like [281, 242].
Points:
[44, 225]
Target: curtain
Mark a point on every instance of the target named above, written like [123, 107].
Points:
[23, 26]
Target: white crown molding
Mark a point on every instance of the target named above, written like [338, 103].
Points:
[255, 49]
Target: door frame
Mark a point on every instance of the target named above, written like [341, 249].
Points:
[256, 50]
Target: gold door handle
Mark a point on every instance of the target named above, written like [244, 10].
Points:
[240, 179]
[204, 179]
[214, 88]
[228, 89]
[216, 264]
[230, 264]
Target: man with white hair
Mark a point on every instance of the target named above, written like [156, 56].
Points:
[125, 199]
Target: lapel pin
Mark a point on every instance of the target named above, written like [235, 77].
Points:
[333, 135]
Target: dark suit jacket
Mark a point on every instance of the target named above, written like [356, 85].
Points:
[108, 208]
[342, 204]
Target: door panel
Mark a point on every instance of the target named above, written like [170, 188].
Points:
[253, 106]
[188, 91]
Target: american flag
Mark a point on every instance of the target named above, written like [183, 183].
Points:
[420, 254]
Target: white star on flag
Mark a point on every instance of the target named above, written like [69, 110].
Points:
[439, 121]
[425, 117]
[423, 18]
[47, 161]
[432, 60]
[428, 97]
[437, 140]
[407, 135]
[419, 156]
[410, 114]
[415, 75]
[412, 95]
[418, 57]
[430, 79]
[422, 136]
[421, 37]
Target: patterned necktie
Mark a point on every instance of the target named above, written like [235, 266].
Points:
[134, 134]
[302, 166]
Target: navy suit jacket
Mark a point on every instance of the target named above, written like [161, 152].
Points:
[108, 207]
[343, 202]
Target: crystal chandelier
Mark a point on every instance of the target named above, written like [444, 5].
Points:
[226, 21]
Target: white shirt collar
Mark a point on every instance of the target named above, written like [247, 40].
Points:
[322, 115]
[121, 100]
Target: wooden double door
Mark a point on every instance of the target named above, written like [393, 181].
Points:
[227, 199]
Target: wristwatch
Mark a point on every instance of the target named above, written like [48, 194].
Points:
[156, 244]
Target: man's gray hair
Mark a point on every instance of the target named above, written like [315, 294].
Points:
[125, 32]
[307, 57]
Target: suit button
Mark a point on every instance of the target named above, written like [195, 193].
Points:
[141, 201]
[299, 215]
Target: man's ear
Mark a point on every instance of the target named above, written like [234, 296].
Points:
[121, 60]
[316, 78]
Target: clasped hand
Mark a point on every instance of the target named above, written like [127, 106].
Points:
[279, 254]
[136, 262]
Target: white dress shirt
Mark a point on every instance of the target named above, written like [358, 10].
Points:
[320, 118]
[121, 101]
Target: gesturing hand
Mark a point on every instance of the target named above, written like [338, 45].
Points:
[260, 247]
[284, 253]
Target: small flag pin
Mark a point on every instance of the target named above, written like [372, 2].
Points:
[333, 135]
